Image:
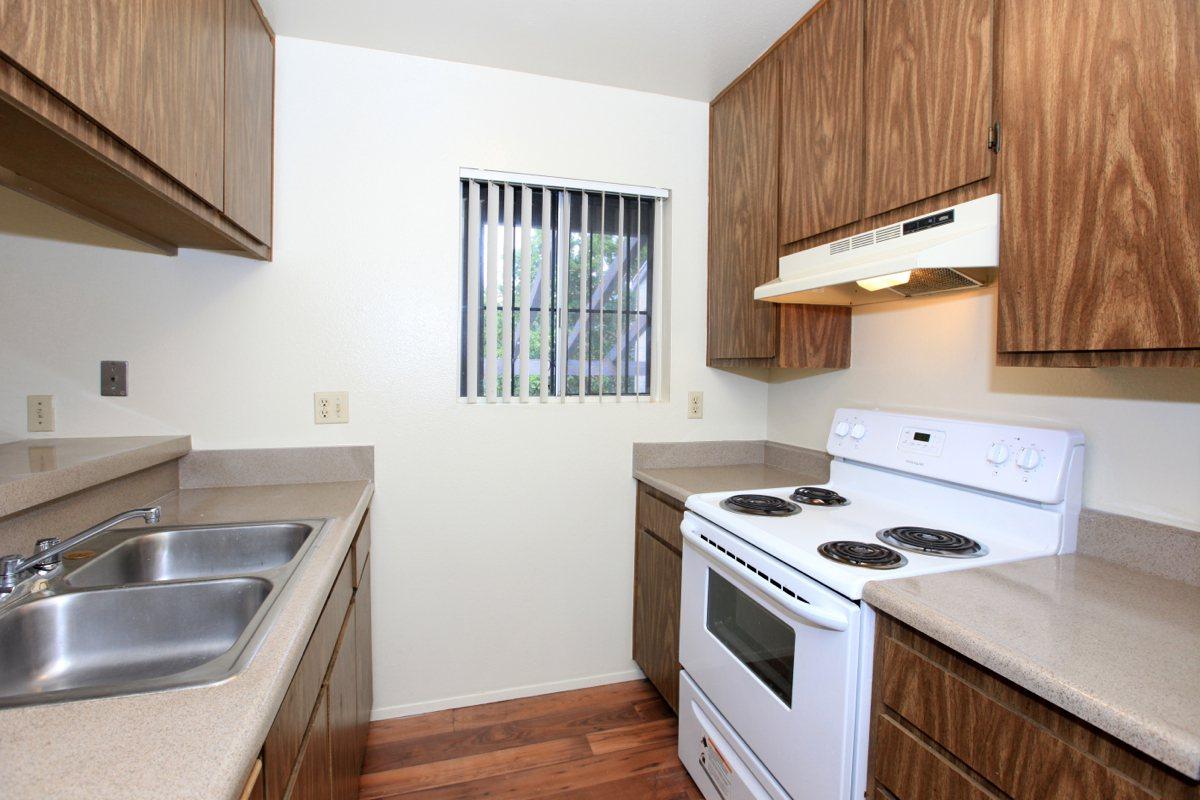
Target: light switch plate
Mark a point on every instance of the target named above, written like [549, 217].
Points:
[331, 408]
[114, 378]
[40, 412]
[695, 408]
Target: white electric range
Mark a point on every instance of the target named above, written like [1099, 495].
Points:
[775, 644]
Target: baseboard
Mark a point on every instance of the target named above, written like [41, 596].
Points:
[461, 701]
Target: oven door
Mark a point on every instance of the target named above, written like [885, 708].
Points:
[777, 655]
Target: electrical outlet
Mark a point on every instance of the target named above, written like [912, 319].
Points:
[40, 412]
[695, 405]
[114, 378]
[331, 408]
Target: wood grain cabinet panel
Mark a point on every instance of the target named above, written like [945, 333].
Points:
[927, 99]
[821, 134]
[944, 727]
[1100, 177]
[150, 71]
[658, 576]
[345, 763]
[249, 118]
[743, 170]
[362, 623]
[312, 779]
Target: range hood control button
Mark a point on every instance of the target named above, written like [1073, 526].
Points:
[997, 454]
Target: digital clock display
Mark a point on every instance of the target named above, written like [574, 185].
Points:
[920, 437]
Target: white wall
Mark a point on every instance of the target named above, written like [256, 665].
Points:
[503, 541]
[1142, 425]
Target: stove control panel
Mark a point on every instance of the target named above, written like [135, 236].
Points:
[1031, 463]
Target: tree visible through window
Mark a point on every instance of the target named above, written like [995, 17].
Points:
[557, 290]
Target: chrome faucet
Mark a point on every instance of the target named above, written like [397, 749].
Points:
[49, 552]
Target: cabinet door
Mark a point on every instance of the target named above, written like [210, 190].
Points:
[658, 573]
[312, 779]
[927, 96]
[249, 118]
[150, 71]
[1100, 176]
[362, 623]
[821, 136]
[343, 714]
[742, 238]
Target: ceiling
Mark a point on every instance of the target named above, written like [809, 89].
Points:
[683, 48]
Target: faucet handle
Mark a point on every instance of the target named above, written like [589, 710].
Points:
[8, 572]
[50, 563]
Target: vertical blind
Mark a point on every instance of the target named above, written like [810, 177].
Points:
[558, 283]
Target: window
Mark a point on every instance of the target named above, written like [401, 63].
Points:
[558, 288]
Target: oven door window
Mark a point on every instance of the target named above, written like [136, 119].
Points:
[756, 637]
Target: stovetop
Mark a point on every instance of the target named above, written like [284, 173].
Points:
[879, 500]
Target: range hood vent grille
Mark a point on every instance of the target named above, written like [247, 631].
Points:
[932, 281]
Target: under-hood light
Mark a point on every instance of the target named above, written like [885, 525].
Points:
[885, 281]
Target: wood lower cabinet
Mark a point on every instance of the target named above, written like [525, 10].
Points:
[1100, 179]
[945, 728]
[658, 573]
[316, 744]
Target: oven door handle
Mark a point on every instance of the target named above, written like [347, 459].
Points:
[829, 618]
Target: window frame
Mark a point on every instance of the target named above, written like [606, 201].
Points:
[561, 300]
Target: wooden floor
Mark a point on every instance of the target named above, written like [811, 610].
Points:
[607, 743]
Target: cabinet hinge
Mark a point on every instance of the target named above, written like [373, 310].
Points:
[994, 137]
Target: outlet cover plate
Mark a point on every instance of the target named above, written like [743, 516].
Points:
[695, 406]
[40, 412]
[114, 377]
[331, 408]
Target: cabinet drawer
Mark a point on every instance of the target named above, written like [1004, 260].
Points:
[911, 771]
[1020, 758]
[287, 731]
[658, 517]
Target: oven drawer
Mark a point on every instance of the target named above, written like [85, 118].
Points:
[658, 517]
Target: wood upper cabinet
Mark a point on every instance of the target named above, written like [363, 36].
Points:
[249, 118]
[1100, 180]
[742, 239]
[150, 71]
[927, 99]
[821, 133]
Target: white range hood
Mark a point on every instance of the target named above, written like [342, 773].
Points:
[955, 248]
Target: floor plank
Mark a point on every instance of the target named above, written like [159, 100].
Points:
[616, 741]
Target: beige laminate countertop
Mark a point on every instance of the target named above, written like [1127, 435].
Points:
[679, 482]
[1114, 646]
[196, 743]
[35, 471]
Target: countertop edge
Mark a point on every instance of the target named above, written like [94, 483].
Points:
[1017, 667]
[37, 488]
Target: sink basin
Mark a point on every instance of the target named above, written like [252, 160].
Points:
[192, 553]
[154, 608]
[97, 640]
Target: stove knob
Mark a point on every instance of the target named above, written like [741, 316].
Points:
[997, 454]
[841, 429]
[858, 431]
[1029, 459]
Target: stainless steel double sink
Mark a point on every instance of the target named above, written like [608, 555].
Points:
[152, 608]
